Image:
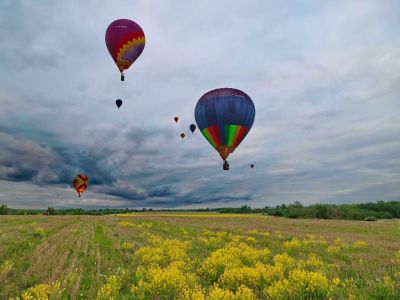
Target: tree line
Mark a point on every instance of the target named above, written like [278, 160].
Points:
[362, 211]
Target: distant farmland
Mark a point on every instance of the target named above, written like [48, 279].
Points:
[197, 256]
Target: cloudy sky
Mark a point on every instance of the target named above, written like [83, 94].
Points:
[324, 77]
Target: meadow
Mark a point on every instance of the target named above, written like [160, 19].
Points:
[197, 256]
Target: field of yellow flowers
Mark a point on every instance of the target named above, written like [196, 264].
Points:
[197, 256]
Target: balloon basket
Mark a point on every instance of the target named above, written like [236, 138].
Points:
[225, 165]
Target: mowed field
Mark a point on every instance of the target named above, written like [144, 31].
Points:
[197, 256]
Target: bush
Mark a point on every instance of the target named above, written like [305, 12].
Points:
[293, 215]
[370, 218]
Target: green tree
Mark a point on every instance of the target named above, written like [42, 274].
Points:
[3, 210]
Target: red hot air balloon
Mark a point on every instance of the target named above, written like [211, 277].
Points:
[125, 41]
[80, 183]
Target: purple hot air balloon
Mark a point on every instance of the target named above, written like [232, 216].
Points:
[125, 41]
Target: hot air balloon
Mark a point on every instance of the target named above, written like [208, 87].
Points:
[192, 127]
[118, 102]
[182, 135]
[176, 119]
[225, 116]
[125, 41]
[252, 166]
[80, 183]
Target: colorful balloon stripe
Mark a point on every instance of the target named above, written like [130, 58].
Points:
[125, 55]
[215, 134]
[137, 35]
[241, 135]
[229, 134]
[233, 135]
[207, 135]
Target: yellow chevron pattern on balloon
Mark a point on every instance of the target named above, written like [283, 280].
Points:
[131, 44]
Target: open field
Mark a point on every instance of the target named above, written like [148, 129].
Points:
[197, 256]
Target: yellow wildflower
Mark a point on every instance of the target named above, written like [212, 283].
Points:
[251, 239]
[6, 267]
[292, 245]
[284, 261]
[360, 244]
[336, 281]
[300, 285]
[232, 256]
[388, 283]
[127, 246]
[313, 262]
[110, 289]
[39, 232]
[333, 250]
[243, 293]
[43, 291]
[253, 231]
[253, 277]
[168, 283]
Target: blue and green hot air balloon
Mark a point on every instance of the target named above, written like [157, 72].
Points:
[225, 116]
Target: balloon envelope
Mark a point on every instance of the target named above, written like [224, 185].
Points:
[192, 128]
[176, 119]
[225, 116]
[118, 102]
[80, 183]
[252, 166]
[182, 135]
[125, 41]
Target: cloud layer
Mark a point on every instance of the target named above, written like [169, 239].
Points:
[323, 76]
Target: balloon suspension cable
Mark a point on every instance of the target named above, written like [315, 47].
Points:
[122, 76]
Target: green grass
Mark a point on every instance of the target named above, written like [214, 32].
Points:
[100, 237]
[82, 252]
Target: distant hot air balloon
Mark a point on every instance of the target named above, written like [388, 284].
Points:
[176, 119]
[182, 135]
[252, 166]
[80, 183]
[225, 116]
[125, 41]
[118, 102]
[192, 127]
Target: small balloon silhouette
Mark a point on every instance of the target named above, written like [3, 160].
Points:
[118, 102]
[192, 128]
[176, 119]
[182, 135]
